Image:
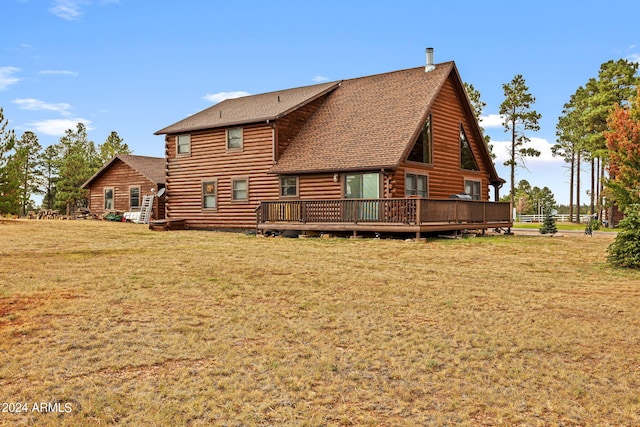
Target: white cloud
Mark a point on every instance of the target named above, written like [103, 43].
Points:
[491, 121]
[320, 79]
[221, 96]
[60, 73]
[57, 127]
[67, 9]
[37, 105]
[502, 151]
[634, 57]
[6, 77]
[71, 10]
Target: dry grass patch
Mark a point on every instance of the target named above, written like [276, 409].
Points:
[136, 327]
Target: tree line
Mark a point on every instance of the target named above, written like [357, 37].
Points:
[56, 172]
[596, 129]
[586, 134]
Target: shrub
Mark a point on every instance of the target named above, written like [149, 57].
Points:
[625, 250]
[549, 224]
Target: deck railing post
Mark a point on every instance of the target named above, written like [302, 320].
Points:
[418, 211]
[303, 213]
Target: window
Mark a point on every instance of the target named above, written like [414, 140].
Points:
[288, 186]
[421, 151]
[472, 188]
[240, 189]
[415, 185]
[467, 161]
[108, 198]
[234, 139]
[362, 186]
[183, 144]
[134, 198]
[209, 194]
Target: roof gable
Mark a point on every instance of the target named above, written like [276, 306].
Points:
[366, 124]
[370, 123]
[250, 109]
[151, 168]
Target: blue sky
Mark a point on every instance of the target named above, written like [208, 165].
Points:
[134, 66]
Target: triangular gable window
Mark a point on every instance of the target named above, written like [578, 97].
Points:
[421, 151]
[467, 161]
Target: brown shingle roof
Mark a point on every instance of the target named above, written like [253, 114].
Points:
[250, 109]
[366, 124]
[151, 168]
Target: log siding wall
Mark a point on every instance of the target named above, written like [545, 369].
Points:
[444, 175]
[121, 177]
[209, 159]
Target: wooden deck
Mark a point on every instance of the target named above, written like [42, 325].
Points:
[413, 215]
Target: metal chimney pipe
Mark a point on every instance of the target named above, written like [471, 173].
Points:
[430, 65]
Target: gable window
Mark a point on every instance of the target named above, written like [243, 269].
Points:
[415, 185]
[210, 194]
[467, 161]
[183, 144]
[234, 139]
[472, 188]
[422, 149]
[134, 198]
[288, 186]
[240, 189]
[108, 198]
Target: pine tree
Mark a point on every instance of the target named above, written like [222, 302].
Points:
[625, 250]
[49, 164]
[518, 118]
[549, 224]
[111, 146]
[8, 179]
[78, 161]
[27, 158]
[478, 107]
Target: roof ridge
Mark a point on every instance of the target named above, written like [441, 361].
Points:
[404, 70]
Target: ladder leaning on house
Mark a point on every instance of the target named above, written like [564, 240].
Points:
[146, 209]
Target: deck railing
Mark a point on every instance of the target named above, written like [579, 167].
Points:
[390, 211]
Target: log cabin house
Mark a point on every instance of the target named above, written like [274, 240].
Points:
[381, 153]
[122, 182]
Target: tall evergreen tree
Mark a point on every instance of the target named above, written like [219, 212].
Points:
[615, 85]
[78, 161]
[111, 146]
[571, 135]
[518, 117]
[478, 107]
[8, 179]
[27, 158]
[49, 165]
